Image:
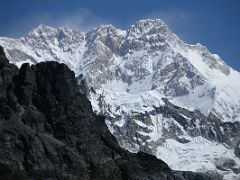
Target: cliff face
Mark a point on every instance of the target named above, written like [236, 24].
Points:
[49, 131]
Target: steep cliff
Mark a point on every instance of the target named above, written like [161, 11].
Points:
[49, 131]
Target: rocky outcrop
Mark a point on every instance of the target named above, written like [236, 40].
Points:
[187, 175]
[49, 131]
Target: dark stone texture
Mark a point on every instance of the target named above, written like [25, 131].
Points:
[187, 175]
[49, 131]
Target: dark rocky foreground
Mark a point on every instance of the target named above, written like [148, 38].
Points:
[49, 131]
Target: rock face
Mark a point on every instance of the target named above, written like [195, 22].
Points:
[49, 131]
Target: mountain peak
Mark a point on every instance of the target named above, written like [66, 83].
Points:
[42, 31]
[148, 27]
[43, 27]
[106, 30]
[145, 22]
[107, 26]
[132, 71]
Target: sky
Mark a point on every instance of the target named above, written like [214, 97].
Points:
[213, 23]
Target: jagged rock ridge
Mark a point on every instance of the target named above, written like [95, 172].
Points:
[49, 131]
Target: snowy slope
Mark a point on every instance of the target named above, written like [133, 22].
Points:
[129, 74]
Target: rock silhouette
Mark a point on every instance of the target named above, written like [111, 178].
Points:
[49, 131]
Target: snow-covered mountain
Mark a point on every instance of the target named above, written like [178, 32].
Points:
[161, 95]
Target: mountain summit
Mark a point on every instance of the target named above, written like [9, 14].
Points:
[160, 95]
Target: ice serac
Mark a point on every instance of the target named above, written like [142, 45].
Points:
[160, 95]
